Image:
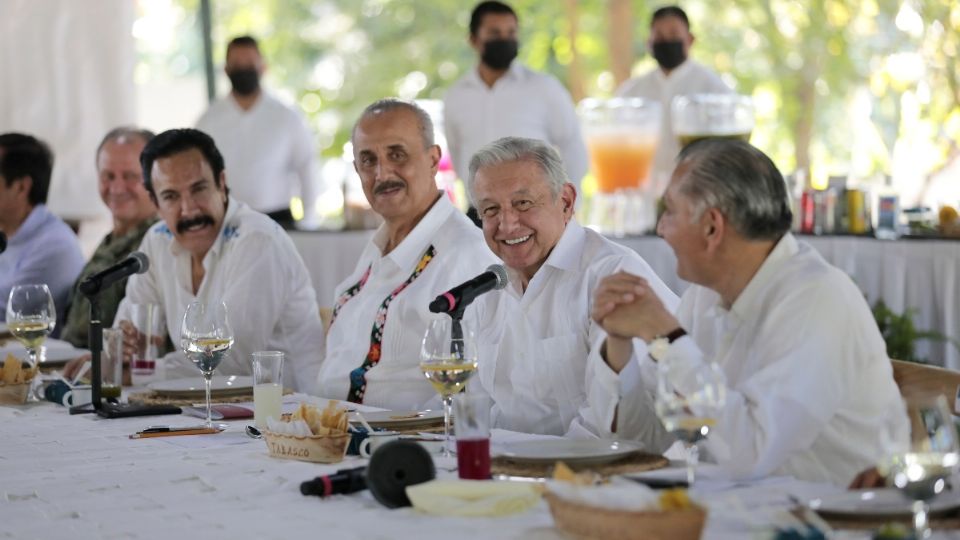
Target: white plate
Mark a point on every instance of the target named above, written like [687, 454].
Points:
[400, 419]
[56, 352]
[887, 502]
[583, 452]
[221, 384]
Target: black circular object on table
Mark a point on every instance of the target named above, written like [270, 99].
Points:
[393, 467]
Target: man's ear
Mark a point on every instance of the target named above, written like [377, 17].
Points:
[22, 185]
[714, 225]
[434, 152]
[568, 196]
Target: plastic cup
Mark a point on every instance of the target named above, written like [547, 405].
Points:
[471, 418]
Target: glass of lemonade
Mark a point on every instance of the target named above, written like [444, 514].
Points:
[701, 116]
[690, 417]
[31, 316]
[206, 337]
[267, 386]
[448, 358]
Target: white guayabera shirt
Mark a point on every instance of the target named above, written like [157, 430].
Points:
[810, 390]
[396, 382]
[539, 349]
[255, 269]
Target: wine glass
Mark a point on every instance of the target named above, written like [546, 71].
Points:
[448, 357]
[691, 416]
[205, 337]
[921, 468]
[31, 316]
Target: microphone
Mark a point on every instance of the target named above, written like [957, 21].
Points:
[460, 296]
[135, 263]
[3, 242]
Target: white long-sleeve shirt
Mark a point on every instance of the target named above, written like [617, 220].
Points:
[269, 152]
[539, 354]
[687, 79]
[396, 382]
[255, 269]
[810, 390]
[522, 103]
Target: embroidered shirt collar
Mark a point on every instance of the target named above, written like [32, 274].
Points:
[412, 247]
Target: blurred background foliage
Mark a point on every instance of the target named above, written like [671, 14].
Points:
[840, 86]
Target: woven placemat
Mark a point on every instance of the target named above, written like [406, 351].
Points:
[150, 397]
[633, 463]
[949, 520]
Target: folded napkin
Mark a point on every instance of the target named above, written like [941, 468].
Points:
[619, 495]
[295, 427]
[473, 497]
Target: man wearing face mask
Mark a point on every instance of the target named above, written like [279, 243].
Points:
[677, 75]
[266, 145]
[501, 97]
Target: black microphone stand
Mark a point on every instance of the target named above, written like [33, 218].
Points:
[95, 335]
[456, 330]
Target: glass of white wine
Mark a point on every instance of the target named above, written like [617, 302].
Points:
[206, 337]
[920, 470]
[31, 316]
[690, 417]
[448, 357]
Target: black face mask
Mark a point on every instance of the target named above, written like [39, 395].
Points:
[245, 81]
[498, 53]
[669, 54]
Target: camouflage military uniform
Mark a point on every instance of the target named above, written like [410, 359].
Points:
[108, 252]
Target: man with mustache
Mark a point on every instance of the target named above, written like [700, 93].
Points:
[266, 144]
[501, 97]
[676, 75]
[424, 247]
[120, 183]
[210, 247]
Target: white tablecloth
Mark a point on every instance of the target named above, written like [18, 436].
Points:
[921, 275]
[81, 477]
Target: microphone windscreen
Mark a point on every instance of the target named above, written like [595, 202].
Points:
[142, 259]
[501, 273]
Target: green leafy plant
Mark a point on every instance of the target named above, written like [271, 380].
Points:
[901, 334]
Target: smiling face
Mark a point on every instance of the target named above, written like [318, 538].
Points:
[685, 235]
[396, 171]
[191, 203]
[121, 182]
[522, 219]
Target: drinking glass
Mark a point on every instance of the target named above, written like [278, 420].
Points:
[920, 469]
[691, 416]
[31, 316]
[267, 386]
[205, 337]
[472, 420]
[448, 357]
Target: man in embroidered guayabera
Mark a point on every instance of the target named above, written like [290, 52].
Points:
[539, 349]
[809, 388]
[210, 247]
[120, 182]
[424, 247]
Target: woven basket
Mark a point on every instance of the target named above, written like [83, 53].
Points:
[316, 448]
[14, 394]
[592, 523]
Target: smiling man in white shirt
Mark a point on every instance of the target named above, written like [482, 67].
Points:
[425, 247]
[210, 247]
[809, 387]
[676, 74]
[501, 97]
[540, 351]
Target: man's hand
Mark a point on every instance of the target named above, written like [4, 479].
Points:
[73, 367]
[868, 479]
[625, 306]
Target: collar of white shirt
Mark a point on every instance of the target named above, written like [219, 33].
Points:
[515, 72]
[233, 206]
[677, 72]
[411, 248]
[753, 294]
[565, 256]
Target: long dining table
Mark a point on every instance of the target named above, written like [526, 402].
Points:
[922, 276]
[79, 477]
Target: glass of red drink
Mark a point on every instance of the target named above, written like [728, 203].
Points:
[471, 419]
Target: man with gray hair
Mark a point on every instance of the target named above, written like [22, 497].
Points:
[540, 350]
[809, 388]
[424, 247]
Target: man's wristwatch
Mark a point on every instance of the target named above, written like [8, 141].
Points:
[660, 344]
